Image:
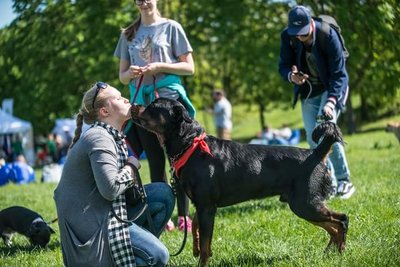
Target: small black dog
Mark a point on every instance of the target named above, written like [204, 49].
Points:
[217, 173]
[26, 222]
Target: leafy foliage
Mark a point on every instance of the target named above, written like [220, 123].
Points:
[56, 49]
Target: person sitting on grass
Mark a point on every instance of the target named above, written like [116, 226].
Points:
[274, 136]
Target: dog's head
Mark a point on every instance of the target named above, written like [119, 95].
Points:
[170, 121]
[163, 117]
[39, 233]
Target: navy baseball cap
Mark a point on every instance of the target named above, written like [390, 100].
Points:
[299, 21]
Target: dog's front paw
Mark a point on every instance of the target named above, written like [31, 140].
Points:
[196, 240]
[203, 260]
[196, 251]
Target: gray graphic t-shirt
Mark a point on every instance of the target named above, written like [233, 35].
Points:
[163, 41]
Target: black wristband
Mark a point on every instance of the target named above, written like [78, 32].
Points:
[331, 101]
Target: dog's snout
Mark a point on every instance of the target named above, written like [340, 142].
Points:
[136, 110]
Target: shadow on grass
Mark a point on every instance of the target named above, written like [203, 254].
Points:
[27, 248]
[247, 259]
[250, 207]
[251, 260]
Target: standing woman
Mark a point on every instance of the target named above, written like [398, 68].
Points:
[90, 196]
[154, 52]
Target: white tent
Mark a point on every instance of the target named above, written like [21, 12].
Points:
[66, 129]
[10, 125]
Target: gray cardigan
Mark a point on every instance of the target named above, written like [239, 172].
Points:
[84, 196]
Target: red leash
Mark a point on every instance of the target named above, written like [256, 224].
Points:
[138, 88]
[140, 84]
[133, 103]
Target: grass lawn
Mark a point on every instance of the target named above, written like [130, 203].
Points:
[265, 232]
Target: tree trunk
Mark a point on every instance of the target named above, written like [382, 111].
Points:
[262, 119]
[363, 108]
[350, 117]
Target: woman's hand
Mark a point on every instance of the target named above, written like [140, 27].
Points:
[127, 72]
[135, 71]
[151, 68]
[185, 66]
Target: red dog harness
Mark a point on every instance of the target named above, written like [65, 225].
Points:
[197, 141]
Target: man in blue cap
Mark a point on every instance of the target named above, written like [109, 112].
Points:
[318, 72]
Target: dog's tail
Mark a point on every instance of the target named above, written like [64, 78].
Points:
[331, 134]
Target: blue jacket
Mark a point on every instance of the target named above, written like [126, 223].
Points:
[330, 63]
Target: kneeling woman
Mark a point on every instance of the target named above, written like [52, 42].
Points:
[91, 192]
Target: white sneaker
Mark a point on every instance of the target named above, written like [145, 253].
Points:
[170, 226]
[345, 189]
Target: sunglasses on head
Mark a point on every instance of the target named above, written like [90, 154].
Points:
[141, 2]
[99, 85]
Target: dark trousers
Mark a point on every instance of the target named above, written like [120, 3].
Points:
[140, 139]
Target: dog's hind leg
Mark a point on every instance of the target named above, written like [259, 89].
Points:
[196, 236]
[336, 224]
[206, 216]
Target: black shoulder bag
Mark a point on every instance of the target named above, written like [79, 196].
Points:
[135, 195]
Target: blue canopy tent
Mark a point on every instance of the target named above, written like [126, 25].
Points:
[10, 125]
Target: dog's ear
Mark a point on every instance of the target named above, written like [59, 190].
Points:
[180, 113]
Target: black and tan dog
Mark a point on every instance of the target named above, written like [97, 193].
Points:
[26, 222]
[217, 173]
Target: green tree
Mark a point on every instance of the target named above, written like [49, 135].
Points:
[237, 49]
[56, 49]
[370, 30]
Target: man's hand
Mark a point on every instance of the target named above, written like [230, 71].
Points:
[328, 108]
[297, 77]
